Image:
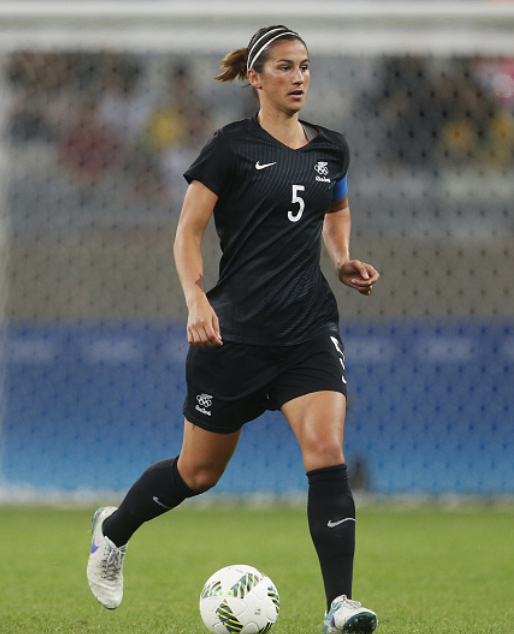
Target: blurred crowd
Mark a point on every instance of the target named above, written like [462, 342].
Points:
[445, 112]
[102, 118]
[103, 115]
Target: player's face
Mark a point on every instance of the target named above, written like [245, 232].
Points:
[284, 80]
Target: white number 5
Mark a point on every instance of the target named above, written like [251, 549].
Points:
[294, 217]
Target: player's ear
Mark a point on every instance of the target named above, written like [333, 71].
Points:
[253, 78]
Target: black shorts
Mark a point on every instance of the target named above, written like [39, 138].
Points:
[232, 384]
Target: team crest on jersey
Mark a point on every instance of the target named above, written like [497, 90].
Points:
[321, 168]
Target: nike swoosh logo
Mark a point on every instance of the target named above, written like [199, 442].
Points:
[332, 524]
[157, 501]
[258, 166]
[94, 548]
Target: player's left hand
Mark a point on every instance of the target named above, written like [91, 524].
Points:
[359, 275]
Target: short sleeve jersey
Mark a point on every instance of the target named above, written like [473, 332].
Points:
[269, 215]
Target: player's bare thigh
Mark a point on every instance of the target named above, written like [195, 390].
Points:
[205, 455]
[317, 420]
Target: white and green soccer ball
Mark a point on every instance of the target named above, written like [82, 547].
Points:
[239, 600]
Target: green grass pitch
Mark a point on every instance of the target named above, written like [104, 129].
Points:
[426, 570]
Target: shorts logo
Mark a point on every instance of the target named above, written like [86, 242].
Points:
[204, 401]
[322, 168]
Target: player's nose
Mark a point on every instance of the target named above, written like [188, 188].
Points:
[298, 76]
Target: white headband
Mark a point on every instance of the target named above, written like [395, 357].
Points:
[257, 55]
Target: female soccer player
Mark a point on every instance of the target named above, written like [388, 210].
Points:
[266, 336]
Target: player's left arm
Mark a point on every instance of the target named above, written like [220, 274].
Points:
[336, 235]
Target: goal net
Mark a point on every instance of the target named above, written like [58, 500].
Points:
[103, 105]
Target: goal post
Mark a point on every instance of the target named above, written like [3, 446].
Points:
[357, 28]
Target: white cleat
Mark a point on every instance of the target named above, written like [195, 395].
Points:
[105, 565]
[349, 616]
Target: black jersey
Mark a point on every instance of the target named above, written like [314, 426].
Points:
[269, 217]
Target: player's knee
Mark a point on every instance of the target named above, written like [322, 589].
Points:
[203, 479]
[321, 454]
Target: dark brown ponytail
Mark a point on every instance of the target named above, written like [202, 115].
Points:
[235, 66]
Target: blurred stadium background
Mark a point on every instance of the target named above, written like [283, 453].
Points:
[102, 107]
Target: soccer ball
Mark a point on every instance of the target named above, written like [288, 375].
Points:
[239, 600]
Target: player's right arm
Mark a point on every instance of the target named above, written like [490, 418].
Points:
[203, 327]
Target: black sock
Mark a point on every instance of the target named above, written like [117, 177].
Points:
[160, 489]
[331, 514]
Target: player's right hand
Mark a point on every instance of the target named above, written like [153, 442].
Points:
[203, 326]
